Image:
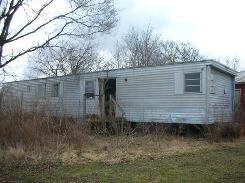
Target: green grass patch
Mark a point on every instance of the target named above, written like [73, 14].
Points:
[226, 164]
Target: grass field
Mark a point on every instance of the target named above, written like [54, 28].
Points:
[221, 162]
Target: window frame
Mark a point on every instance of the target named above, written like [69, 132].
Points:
[41, 90]
[191, 85]
[28, 88]
[211, 84]
[90, 95]
[55, 93]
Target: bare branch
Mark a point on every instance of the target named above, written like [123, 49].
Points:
[29, 23]
[32, 49]
[67, 59]
[143, 48]
[83, 19]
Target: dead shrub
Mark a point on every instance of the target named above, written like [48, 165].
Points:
[15, 153]
[107, 126]
[222, 131]
[242, 128]
[41, 132]
[160, 129]
[37, 132]
[65, 138]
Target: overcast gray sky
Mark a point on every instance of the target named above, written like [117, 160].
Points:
[215, 27]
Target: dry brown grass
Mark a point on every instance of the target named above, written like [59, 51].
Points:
[242, 129]
[37, 137]
[125, 148]
[222, 131]
[68, 141]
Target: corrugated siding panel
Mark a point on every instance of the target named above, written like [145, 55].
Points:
[179, 82]
[67, 104]
[149, 95]
[220, 102]
[72, 96]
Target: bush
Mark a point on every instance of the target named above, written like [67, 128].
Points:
[107, 126]
[35, 132]
[167, 129]
[220, 131]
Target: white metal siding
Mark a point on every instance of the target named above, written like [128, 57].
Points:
[151, 94]
[179, 82]
[67, 104]
[220, 97]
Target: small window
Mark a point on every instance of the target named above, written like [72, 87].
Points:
[212, 85]
[89, 89]
[28, 88]
[41, 90]
[55, 90]
[193, 82]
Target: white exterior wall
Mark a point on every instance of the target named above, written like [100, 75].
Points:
[151, 94]
[67, 103]
[220, 101]
[92, 104]
[154, 95]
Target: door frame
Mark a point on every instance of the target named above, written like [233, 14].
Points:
[104, 98]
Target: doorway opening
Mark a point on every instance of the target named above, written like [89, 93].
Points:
[107, 91]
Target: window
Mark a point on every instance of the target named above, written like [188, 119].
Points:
[55, 90]
[193, 82]
[28, 88]
[41, 90]
[212, 85]
[89, 89]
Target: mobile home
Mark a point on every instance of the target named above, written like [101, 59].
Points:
[194, 93]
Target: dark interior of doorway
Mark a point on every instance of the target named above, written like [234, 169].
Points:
[109, 90]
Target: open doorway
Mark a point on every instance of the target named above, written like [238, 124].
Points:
[107, 93]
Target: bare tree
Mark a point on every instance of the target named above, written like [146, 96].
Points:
[169, 52]
[144, 48]
[105, 61]
[172, 51]
[66, 59]
[22, 20]
[119, 56]
[233, 62]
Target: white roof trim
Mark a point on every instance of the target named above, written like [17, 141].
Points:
[222, 67]
[240, 78]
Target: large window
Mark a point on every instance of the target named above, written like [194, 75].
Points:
[55, 89]
[193, 82]
[89, 89]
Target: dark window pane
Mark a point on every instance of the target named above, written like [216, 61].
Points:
[192, 82]
[28, 88]
[41, 90]
[55, 90]
[192, 89]
[192, 76]
[89, 89]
